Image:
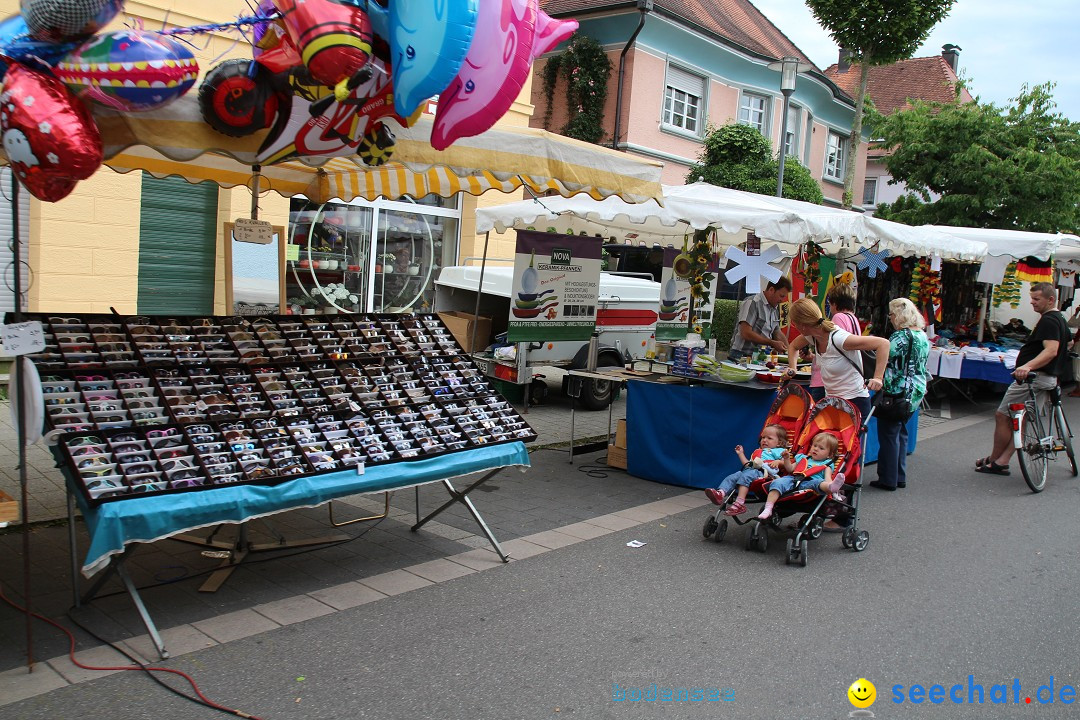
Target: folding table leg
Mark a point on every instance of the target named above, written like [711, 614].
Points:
[137, 599]
[462, 496]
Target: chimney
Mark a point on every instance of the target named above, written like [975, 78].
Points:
[842, 63]
[951, 53]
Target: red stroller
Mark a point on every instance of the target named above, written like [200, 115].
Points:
[789, 410]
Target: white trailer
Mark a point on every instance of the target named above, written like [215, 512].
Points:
[626, 320]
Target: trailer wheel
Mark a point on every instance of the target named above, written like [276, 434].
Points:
[598, 394]
[538, 392]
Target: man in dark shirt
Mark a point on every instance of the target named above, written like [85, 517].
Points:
[1047, 351]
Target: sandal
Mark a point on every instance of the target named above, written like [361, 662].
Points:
[736, 508]
[992, 468]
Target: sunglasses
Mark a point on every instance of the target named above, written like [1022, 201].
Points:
[98, 472]
[240, 447]
[185, 475]
[140, 469]
[65, 320]
[185, 482]
[103, 483]
[177, 464]
[217, 459]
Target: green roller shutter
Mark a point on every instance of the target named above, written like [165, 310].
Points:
[177, 247]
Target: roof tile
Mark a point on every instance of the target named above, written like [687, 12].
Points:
[892, 87]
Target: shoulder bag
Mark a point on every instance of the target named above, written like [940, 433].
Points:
[868, 358]
[898, 407]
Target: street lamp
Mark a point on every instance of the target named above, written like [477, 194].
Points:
[789, 68]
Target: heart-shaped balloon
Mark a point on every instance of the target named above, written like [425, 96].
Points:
[49, 137]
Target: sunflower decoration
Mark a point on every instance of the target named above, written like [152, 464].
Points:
[811, 268]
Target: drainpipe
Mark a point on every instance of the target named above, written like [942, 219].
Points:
[645, 6]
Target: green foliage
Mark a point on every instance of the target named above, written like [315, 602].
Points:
[879, 32]
[1014, 167]
[586, 69]
[725, 313]
[740, 157]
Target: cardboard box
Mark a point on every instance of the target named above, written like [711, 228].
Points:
[620, 435]
[616, 457]
[9, 508]
[460, 325]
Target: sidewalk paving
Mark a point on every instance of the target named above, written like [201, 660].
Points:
[552, 505]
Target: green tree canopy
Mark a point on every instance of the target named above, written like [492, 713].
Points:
[740, 157]
[980, 165]
[875, 32]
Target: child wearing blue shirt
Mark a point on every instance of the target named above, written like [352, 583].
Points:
[807, 471]
[763, 461]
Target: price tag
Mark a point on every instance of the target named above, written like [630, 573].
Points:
[23, 338]
[360, 468]
[292, 252]
[247, 230]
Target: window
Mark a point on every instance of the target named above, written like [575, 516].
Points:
[791, 140]
[869, 193]
[809, 137]
[752, 112]
[684, 100]
[834, 156]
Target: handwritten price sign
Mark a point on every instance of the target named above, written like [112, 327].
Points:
[23, 338]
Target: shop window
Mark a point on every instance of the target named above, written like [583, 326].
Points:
[684, 100]
[835, 156]
[869, 194]
[753, 111]
[791, 138]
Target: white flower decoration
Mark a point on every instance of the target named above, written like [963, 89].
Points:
[53, 158]
[29, 101]
[45, 127]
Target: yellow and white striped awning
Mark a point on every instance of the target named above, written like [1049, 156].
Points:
[175, 141]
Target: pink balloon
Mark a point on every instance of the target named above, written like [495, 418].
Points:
[510, 34]
[49, 136]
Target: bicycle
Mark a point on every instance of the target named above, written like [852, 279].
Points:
[1035, 447]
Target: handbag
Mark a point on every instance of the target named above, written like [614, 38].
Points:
[898, 406]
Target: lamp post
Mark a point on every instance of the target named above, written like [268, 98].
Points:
[789, 68]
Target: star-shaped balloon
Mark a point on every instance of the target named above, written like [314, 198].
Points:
[752, 267]
[873, 262]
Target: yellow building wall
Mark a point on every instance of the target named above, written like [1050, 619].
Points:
[84, 250]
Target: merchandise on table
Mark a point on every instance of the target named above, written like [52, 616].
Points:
[150, 405]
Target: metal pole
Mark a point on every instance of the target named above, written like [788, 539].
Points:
[783, 144]
[644, 6]
[257, 171]
[479, 292]
[21, 429]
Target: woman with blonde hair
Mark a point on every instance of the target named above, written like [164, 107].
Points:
[838, 355]
[841, 300]
[905, 378]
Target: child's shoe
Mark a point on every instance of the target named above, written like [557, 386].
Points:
[736, 508]
[717, 496]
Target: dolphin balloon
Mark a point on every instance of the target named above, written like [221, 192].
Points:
[428, 43]
[514, 33]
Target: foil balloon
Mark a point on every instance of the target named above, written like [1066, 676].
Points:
[48, 135]
[130, 70]
[334, 38]
[16, 43]
[67, 20]
[514, 32]
[428, 44]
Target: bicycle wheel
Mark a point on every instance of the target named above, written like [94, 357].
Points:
[1064, 436]
[1031, 454]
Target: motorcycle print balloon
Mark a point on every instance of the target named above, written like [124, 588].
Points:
[334, 38]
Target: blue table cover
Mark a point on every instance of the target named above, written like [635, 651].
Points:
[992, 370]
[112, 525]
[686, 434]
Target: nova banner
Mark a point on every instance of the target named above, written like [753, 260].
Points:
[556, 286]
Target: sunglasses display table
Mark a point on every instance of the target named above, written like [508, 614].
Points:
[167, 425]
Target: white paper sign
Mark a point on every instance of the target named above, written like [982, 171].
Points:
[23, 338]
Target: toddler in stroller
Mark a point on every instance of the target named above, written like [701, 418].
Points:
[765, 461]
[813, 470]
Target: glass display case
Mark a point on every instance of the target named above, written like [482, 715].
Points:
[378, 257]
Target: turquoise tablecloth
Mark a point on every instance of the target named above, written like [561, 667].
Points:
[112, 525]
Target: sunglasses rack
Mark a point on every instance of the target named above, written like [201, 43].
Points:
[160, 405]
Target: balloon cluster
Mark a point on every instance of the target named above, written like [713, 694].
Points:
[54, 62]
[325, 74]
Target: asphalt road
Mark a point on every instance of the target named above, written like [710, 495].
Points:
[965, 575]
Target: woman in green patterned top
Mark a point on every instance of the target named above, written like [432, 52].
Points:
[905, 375]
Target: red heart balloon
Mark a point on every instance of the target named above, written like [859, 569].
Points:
[49, 137]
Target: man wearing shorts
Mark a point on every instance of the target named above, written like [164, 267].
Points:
[1047, 352]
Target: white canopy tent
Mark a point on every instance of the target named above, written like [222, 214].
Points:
[731, 212]
[1016, 243]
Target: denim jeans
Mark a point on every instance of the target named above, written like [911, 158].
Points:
[742, 477]
[789, 482]
[892, 452]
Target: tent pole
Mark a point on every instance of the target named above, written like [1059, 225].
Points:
[479, 292]
[21, 425]
[257, 172]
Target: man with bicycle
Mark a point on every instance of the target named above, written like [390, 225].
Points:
[1047, 351]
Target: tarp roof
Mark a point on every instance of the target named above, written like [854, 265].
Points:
[175, 140]
[1017, 243]
[732, 213]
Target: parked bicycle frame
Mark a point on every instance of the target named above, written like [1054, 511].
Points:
[1037, 442]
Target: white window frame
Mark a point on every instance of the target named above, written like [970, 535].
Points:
[835, 157]
[688, 90]
[746, 110]
[874, 194]
[794, 129]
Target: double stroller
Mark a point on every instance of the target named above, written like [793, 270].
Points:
[794, 410]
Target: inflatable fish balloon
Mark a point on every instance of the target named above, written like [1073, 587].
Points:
[429, 40]
[514, 33]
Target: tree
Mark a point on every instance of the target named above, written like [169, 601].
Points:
[980, 165]
[740, 157]
[875, 32]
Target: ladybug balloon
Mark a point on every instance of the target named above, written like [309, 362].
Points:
[48, 135]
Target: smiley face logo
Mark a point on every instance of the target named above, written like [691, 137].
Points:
[862, 693]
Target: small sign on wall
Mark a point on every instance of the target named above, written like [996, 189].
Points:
[23, 338]
[259, 232]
